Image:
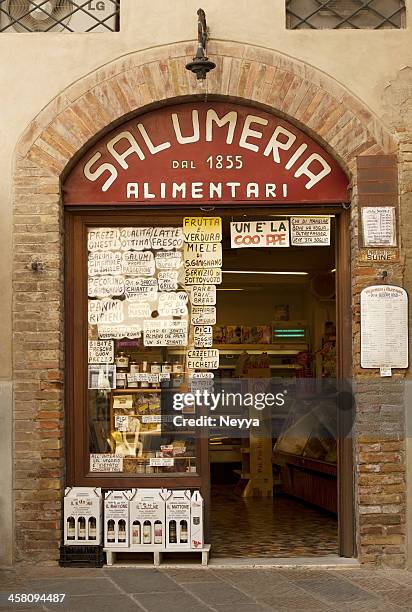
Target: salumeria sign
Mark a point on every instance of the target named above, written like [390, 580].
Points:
[206, 152]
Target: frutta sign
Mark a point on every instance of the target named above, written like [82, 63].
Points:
[197, 152]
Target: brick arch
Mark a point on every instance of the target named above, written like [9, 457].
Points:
[130, 84]
[305, 96]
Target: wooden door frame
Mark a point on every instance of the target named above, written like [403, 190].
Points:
[76, 319]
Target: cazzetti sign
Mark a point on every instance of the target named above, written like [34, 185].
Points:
[206, 153]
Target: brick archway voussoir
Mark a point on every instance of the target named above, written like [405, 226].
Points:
[302, 94]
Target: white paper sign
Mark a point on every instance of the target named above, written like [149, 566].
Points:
[106, 463]
[202, 375]
[105, 311]
[151, 418]
[140, 289]
[138, 263]
[103, 239]
[165, 333]
[137, 310]
[379, 226]
[173, 304]
[167, 238]
[203, 315]
[202, 255]
[143, 377]
[168, 260]
[203, 276]
[203, 359]
[117, 332]
[104, 262]
[203, 295]
[105, 286]
[161, 461]
[202, 229]
[167, 280]
[310, 231]
[246, 234]
[101, 351]
[384, 327]
[121, 422]
[135, 238]
[203, 336]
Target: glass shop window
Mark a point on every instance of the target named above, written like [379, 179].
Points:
[138, 331]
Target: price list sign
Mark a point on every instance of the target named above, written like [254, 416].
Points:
[384, 327]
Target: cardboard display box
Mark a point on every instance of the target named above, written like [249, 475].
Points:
[116, 519]
[196, 521]
[178, 520]
[82, 516]
[147, 520]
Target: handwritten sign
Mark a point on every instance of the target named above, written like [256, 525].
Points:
[203, 276]
[161, 461]
[202, 254]
[258, 234]
[165, 333]
[167, 238]
[143, 377]
[103, 239]
[135, 238]
[203, 336]
[104, 262]
[310, 231]
[203, 359]
[379, 226]
[117, 332]
[121, 422]
[168, 260]
[106, 463]
[137, 310]
[151, 418]
[167, 280]
[203, 315]
[101, 351]
[105, 311]
[202, 229]
[141, 289]
[173, 304]
[203, 295]
[139, 263]
[384, 327]
[202, 375]
[105, 286]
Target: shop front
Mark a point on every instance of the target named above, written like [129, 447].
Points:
[176, 242]
[207, 262]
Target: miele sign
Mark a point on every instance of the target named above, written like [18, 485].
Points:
[209, 153]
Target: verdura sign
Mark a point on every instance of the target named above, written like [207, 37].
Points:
[206, 152]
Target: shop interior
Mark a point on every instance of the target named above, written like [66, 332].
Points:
[276, 318]
[272, 495]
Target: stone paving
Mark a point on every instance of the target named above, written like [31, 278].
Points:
[122, 589]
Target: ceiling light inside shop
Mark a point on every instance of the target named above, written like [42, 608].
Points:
[263, 272]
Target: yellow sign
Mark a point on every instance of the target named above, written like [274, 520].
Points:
[202, 229]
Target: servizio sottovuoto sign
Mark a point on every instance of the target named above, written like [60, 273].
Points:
[205, 153]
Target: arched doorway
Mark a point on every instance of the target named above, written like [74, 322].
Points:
[128, 201]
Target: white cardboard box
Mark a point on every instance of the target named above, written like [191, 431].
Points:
[196, 521]
[116, 519]
[147, 519]
[82, 516]
[178, 520]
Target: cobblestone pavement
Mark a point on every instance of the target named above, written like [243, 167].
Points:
[221, 590]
